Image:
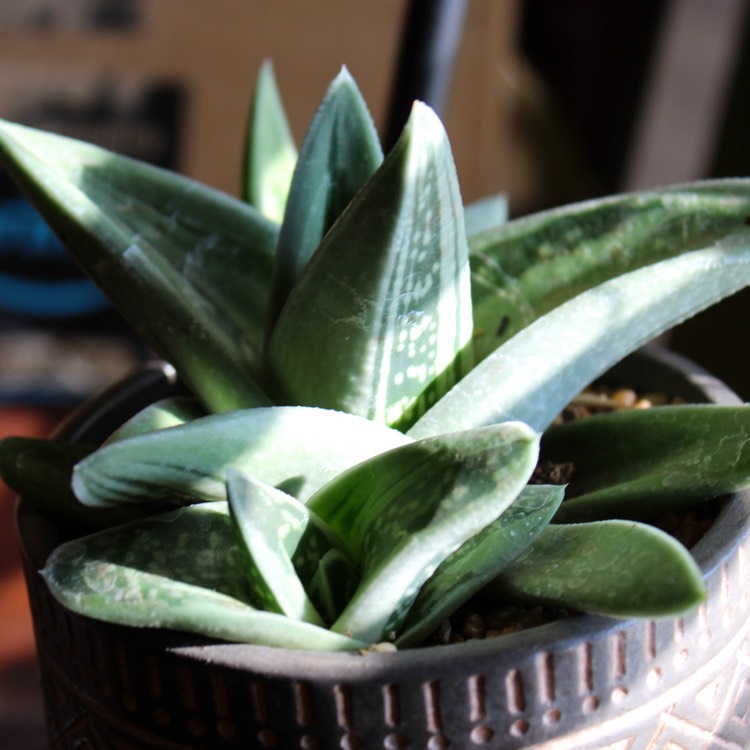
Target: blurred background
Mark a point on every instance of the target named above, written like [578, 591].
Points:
[545, 100]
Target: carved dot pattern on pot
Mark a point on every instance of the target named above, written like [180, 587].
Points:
[395, 741]
[481, 734]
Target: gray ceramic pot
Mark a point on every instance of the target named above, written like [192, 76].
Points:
[585, 682]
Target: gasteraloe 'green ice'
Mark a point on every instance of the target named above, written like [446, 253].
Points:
[372, 366]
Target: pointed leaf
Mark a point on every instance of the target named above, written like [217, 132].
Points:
[484, 215]
[522, 270]
[159, 245]
[535, 374]
[479, 560]
[616, 568]
[333, 584]
[296, 449]
[40, 471]
[182, 570]
[270, 155]
[168, 412]
[379, 323]
[340, 152]
[271, 525]
[642, 463]
[401, 513]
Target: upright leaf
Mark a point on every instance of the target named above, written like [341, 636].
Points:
[270, 155]
[535, 374]
[159, 245]
[339, 154]
[379, 323]
[403, 512]
[524, 268]
[271, 524]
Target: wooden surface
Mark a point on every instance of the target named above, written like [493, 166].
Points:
[21, 713]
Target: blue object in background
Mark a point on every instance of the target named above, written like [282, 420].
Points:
[37, 278]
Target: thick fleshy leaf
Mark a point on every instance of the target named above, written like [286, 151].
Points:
[484, 215]
[339, 154]
[183, 570]
[528, 266]
[533, 376]
[159, 245]
[40, 471]
[479, 560]
[641, 463]
[270, 155]
[333, 584]
[169, 412]
[380, 321]
[401, 513]
[271, 525]
[296, 449]
[617, 568]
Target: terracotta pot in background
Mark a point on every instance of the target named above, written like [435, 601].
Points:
[582, 683]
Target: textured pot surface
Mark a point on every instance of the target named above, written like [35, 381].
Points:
[581, 683]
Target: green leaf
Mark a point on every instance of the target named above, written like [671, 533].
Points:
[296, 449]
[479, 560]
[401, 513]
[339, 154]
[333, 584]
[616, 568]
[535, 374]
[40, 471]
[270, 155]
[379, 322]
[484, 215]
[271, 525]
[641, 463]
[159, 246]
[168, 412]
[183, 570]
[527, 267]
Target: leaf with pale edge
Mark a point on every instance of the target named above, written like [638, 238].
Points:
[294, 448]
[182, 570]
[479, 560]
[380, 321]
[270, 155]
[159, 246]
[403, 512]
[533, 376]
[278, 531]
[338, 155]
[642, 463]
[524, 268]
[616, 568]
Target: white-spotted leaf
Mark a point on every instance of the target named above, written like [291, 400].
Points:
[534, 375]
[297, 449]
[271, 524]
[380, 322]
[479, 560]
[403, 512]
[183, 570]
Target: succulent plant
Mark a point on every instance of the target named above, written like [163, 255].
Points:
[374, 368]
